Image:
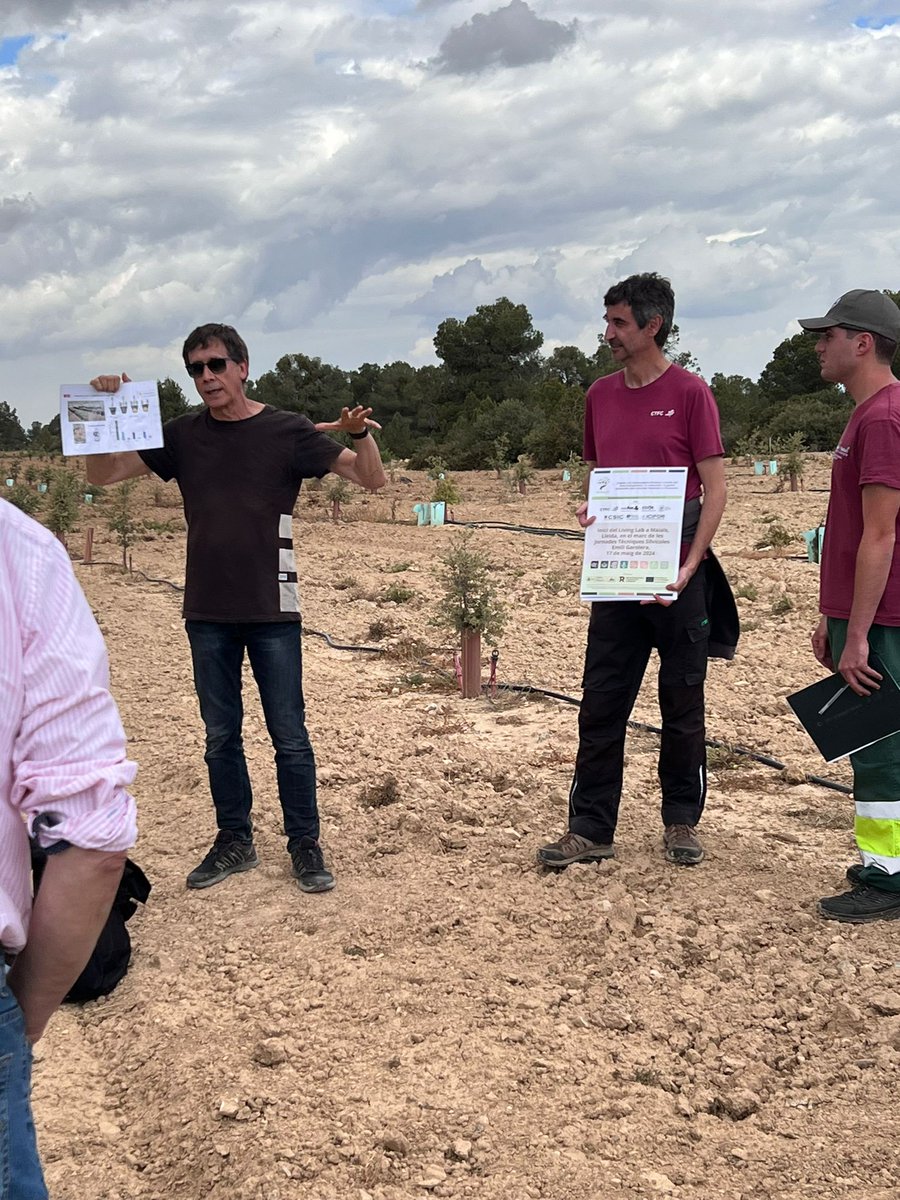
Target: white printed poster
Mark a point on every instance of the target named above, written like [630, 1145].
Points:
[105, 422]
[633, 548]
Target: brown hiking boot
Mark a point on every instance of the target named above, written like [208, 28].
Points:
[573, 848]
[682, 845]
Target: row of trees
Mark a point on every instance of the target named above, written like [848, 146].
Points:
[495, 396]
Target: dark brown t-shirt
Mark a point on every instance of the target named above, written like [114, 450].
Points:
[239, 481]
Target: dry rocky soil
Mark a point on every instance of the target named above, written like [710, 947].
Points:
[449, 1021]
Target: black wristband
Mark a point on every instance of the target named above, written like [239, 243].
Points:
[357, 437]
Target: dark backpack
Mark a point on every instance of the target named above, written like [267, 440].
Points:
[112, 954]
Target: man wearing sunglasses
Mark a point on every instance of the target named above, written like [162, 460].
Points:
[239, 466]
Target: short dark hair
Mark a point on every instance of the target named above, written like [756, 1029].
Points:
[649, 295]
[199, 339]
[885, 347]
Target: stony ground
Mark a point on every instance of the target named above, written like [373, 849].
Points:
[450, 1021]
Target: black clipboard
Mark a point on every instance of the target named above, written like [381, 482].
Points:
[839, 721]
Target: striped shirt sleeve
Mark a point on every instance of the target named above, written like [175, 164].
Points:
[69, 769]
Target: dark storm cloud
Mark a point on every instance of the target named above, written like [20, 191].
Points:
[513, 36]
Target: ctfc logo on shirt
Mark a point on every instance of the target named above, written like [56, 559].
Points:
[658, 412]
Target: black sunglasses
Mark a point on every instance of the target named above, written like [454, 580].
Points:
[216, 365]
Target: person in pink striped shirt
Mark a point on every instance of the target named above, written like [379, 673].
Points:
[63, 779]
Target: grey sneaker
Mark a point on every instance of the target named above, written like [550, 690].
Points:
[573, 848]
[227, 856]
[682, 845]
[309, 867]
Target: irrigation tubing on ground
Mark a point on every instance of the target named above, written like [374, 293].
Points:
[713, 743]
[337, 645]
[573, 535]
[570, 534]
[527, 688]
[98, 562]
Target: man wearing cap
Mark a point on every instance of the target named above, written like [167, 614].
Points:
[860, 577]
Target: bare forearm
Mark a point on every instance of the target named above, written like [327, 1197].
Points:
[104, 469]
[710, 516]
[70, 909]
[369, 466]
[873, 566]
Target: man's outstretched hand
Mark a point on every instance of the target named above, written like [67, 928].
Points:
[351, 420]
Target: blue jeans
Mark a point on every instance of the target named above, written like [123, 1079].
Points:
[21, 1177]
[217, 650]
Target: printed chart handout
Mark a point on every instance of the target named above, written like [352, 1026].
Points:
[105, 422]
[633, 548]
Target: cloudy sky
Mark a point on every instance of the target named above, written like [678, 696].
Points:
[337, 176]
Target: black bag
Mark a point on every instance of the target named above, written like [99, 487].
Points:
[112, 954]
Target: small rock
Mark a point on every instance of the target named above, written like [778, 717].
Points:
[845, 1019]
[790, 839]
[461, 1150]
[613, 1019]
[229, 1106]
[659, 1182]
[269, 1052]
[739, 1104]
[395, 1143]
[887, 1004]
[432, 1177]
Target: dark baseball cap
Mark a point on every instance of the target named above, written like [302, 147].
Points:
[862, 309]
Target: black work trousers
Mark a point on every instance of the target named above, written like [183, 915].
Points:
[620, 638]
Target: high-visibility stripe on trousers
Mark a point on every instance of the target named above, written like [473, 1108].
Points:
[876, 769]
[877, 829]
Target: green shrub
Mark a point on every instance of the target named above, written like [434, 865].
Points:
[24, 498]
[396, 593]
[445, 490]
[469, 603]
[62, 508]
[775, 536]
[121, 519]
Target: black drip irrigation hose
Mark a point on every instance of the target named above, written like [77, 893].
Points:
[571, 534]
[337, 645]
[713, 743]
[530, 689]
[98, 562]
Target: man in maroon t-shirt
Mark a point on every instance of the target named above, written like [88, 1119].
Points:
[651, 413]
[859, 589]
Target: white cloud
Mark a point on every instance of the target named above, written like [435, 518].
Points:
[312, 174]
